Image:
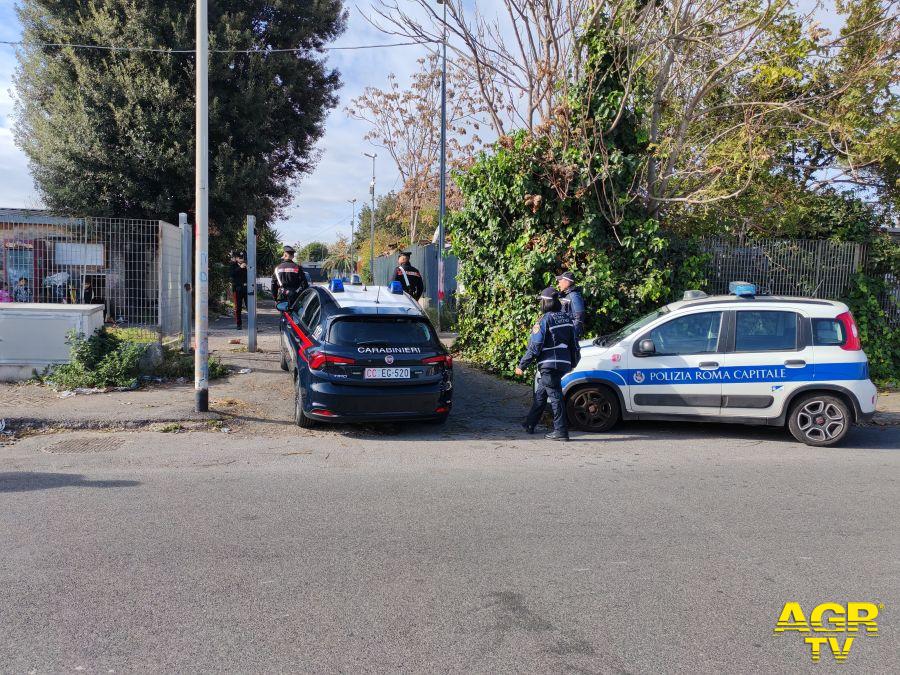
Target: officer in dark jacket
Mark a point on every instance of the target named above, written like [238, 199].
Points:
[409, 277]
[288, 279]
[554, 348]
[238, 275]
[572, 301]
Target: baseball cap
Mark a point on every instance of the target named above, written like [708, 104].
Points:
[549, 293]
[568, 276]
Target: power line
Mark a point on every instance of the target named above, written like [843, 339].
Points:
[165, 50]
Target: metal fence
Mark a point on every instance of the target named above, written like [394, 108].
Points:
[811, 268]
[425, 259]
[131, 267]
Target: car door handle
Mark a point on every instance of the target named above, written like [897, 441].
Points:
[709, 365]
[795, 363]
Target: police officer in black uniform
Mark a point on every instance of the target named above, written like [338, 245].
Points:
[238, 274]
[409, 277]
[554, 348]
[288, 279]
[572, 301]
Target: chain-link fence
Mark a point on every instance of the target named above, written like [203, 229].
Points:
[131, 267]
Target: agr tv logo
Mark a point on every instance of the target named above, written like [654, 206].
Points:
[830, 621]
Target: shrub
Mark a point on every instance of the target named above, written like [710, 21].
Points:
[107, 360]
[102, 360]
[880, 339]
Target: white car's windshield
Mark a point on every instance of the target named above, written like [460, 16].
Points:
[633, 327]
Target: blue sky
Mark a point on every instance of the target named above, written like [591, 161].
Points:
[319, 209]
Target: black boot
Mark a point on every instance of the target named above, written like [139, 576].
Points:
[557, 436]
[527, 427]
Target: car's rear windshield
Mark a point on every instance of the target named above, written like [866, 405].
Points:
[375, 332]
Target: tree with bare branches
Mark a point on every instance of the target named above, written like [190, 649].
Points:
[407, 123]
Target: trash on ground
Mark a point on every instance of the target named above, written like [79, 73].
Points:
[244, 371]
[234, 341]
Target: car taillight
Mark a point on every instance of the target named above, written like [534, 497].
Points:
[446, 359]
[319, 360]
[852, 342]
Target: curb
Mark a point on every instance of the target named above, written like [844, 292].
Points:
[37, 424]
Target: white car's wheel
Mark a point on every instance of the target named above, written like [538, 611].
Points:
[819, 419]
[593, 408]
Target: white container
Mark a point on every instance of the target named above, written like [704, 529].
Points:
[33, 335]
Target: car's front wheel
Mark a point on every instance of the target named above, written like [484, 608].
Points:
[593, 408]
[300, 417]
[819, 419]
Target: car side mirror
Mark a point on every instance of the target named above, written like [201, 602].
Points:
[282, 306]
[646, 347]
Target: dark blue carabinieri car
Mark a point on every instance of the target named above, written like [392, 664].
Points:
[364, 354]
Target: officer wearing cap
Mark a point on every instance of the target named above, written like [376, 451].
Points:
[409, 277]
[572, 301]
[554, 348]
[288, 279]
[238, 274]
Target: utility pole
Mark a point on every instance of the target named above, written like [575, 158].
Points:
[352, 232]
[372, 220]
[251, 284]
[201, 196]
[443, 206]
[187, 239]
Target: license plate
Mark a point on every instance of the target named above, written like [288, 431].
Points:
[387, 373]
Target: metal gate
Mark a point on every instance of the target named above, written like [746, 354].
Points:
[810, 268]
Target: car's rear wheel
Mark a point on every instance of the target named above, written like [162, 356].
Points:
[284, 362]
[819, 419]
[593, 408]
[300, 417]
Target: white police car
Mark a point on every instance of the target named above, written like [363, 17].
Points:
[738, 358]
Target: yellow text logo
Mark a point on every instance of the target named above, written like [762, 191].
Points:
[830, 625]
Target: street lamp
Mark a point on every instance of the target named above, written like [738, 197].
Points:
[443, 207]
[352, 231]
[372, 219]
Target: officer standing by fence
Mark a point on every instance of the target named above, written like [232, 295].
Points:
[572, 301]
[554, 348]
[409, 277]
[288, 279]
[238, 275]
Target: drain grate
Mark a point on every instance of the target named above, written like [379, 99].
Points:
[83, 445]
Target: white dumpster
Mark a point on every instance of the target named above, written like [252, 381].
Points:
[33, 335]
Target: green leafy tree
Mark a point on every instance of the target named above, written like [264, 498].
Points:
[561, 198]
[313, 251]
[112, 132]
[389, 218]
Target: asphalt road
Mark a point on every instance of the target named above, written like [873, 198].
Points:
[657, 548]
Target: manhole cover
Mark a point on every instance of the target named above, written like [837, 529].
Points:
[74, 445]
